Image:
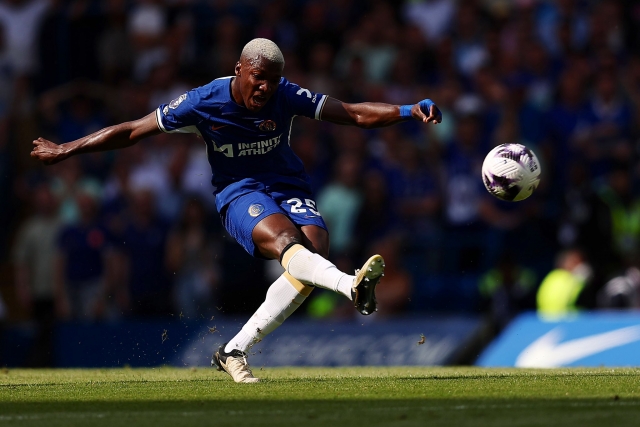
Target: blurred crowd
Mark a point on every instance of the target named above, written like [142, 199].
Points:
[135, 233]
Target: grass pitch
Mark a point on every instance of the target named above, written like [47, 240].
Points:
[321, 397]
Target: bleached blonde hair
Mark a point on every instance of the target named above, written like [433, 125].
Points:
[262, 48]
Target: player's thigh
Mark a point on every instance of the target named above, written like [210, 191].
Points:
[301, 209]
[258, 223]
[274, 233]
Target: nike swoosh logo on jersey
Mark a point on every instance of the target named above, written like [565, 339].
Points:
[217, 127]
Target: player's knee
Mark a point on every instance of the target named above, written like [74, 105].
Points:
[286, 239]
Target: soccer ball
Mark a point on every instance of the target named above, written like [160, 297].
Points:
[511, 172]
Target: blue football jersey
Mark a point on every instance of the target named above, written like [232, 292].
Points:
[247, 150]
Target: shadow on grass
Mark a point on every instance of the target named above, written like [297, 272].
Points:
[327, 412]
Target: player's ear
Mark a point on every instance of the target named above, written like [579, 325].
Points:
[238, 68]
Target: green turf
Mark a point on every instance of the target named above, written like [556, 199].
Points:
[321, 397]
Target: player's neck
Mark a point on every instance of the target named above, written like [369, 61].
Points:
[236, 95]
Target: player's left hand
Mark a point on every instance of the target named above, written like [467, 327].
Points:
[426, 111]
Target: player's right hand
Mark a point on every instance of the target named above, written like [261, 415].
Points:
[426, 111]
[48, 152]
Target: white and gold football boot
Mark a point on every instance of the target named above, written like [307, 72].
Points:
[235, 364]
[364, 286]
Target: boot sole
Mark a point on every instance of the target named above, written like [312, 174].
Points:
[366, 281]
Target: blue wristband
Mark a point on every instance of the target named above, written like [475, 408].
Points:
[405, 111]
[425, 106]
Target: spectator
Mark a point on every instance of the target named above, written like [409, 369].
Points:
[151, 169]
[462, 164]
[223, 51]
[165, 84]
[320, 66]
[433, 17]
[196, 175]
[7, 78]
[403, 79]
[67, 182]
[171, 199]
[470, 53]
[315, 157]
[447, 92]
[147, 24]
[33, 256]
[562, 25]
[622, 292]
[191, 257]
[75, 116]
[608, 119]
[144, 289]
[606, 29]
[415, 191]
[373, 41]
[539, 84]
[340, 201]
[394, 293]
[624, 212]
[562, 120]
[585, 221]
[376, 216]
[323, 22]
[507, 290]
[275, 26]
[115, 56]
[21, 20]
[82, 275]
[560, 290]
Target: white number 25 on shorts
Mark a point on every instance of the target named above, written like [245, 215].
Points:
[296, 206]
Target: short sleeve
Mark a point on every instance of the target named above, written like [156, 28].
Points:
[303, 102]
[180, 115]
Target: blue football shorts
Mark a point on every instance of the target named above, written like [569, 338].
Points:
[245, 212]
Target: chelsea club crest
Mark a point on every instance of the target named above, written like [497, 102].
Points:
[256, 209]
[267, 126]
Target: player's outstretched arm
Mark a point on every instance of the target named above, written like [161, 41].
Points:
[110, 138]
[374, 114]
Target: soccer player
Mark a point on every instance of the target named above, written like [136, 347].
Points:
[262, 191]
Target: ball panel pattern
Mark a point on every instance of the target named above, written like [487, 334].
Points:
[511, 172]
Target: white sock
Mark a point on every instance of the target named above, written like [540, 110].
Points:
[312, 269]
[283, 298]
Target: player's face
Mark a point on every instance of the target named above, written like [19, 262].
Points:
[258, 81]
